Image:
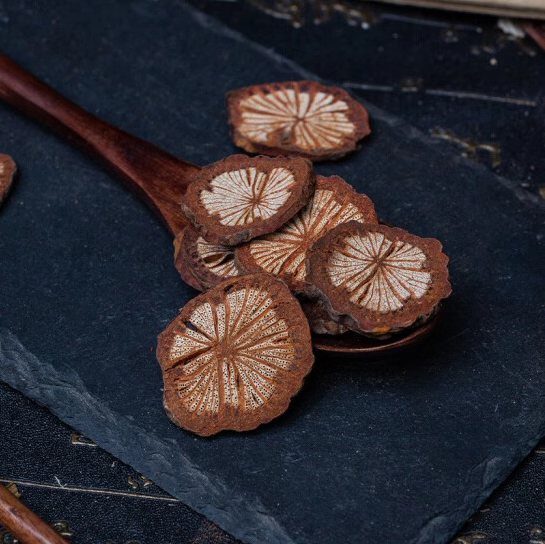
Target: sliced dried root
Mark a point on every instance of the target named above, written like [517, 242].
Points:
[7, 173]
[240, 197]
[234, 356]
[301, 118]
[319, 320]
[202, 264]
[283, 253]
[378, 280]
[185, 271]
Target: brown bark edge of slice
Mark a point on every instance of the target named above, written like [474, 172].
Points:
[272, 253]
[7, 173]
[180, 262]
[201, 264]
[319, 319]
[251, 310]
[208, 223]
[422, 271]
[280, 141]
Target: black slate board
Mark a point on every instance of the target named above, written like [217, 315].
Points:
[396, 453]
[453, 75]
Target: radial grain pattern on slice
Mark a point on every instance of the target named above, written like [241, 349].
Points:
[302, 118]
[240, 197]
[203, 264]
[7, 173]
[283, 253]
[378, 280]
[234, 356]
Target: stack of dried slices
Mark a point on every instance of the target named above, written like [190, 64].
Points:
[281, 252]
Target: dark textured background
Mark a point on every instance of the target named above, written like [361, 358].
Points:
[398, 453]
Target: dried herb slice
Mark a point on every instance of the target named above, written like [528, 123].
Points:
[7, 173]
[203, 264]
[319, 319]
[234, 356]
[378, 279]
[301, 118]
[240, 197]
[185, 271]
[283, 253]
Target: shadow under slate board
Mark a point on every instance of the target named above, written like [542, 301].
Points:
[399, 452]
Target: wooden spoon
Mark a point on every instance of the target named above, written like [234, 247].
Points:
[159, 178]
[23, 523]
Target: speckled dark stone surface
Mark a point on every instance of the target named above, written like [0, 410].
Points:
[403, 452]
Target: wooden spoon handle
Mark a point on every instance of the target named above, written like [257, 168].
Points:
[25, 524]
[157, 176]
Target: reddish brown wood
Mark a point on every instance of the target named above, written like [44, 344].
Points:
[25, 524]
[158, 177]
[536, 31]
[366, 348]
[8, 169]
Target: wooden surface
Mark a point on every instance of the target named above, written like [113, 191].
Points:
[23, 523]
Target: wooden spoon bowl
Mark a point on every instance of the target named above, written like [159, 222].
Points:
[159, 178]
[355, 344]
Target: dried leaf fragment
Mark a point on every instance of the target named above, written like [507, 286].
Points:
[234, 356]
[301, 118]
[240, 197]
[202, 264]
[7, 173]
[378, 279]
[283, 253]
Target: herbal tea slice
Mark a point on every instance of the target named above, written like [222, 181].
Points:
[378, 279]
[301, 118]
[234, 356]
[7, 173]
[319, 319]
[185, 271]
[203, 263]
[283, 253]
[241, 197]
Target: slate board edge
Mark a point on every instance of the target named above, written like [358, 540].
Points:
[66, 396]
[243, 517]
[412, 133]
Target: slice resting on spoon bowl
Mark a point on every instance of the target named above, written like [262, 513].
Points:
[378, 280]
[159, 178]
